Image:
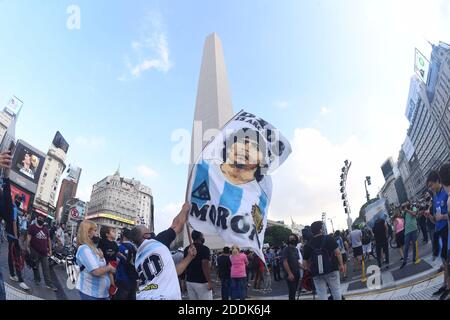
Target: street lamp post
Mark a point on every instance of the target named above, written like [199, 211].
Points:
[367, 182]
[343, 184]
[332, 225]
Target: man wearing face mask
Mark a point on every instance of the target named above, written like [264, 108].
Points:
[39, 246]
[198, 277]
[291, 264]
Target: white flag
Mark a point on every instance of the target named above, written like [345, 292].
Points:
[230, 187]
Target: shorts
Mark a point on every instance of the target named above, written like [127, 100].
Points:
[344, 258]
[357, 252]
[443, 235]
[400, 238]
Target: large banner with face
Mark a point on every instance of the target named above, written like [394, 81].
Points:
[230, 187]
[375, 211]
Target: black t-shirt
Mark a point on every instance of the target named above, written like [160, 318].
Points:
[109, 249]
[194, 272]
[166, 237]
[291, 255]
[379, 232]
[330, 246]
[224, 267]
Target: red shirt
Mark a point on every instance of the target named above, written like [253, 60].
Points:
[39, 239]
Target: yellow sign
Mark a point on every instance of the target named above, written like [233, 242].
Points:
[112, 217]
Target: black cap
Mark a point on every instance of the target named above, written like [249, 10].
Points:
[226, 250]
[316, 227]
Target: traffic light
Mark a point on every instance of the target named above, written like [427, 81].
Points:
[342, 190]
[344, 204]
[346, 210]
[342, 183]
[346, 163]
[368, 181]
[342, 176]
[343, 169]
[343, 196]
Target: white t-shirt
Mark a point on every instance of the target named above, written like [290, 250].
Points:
[158, 278]
[356, 238]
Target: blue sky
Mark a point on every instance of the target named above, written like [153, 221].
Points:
[333, 76]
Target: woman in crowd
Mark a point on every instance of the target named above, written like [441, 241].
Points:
[93, 282]
[399, 231]
[238, 274]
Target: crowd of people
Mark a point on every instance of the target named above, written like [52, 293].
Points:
[137, 264]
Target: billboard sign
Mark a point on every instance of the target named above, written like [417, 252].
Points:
[60, 143]
[27, 166]
[421, 66]
[76, 211]
[25, 197]
[14, 105]
[73, 173]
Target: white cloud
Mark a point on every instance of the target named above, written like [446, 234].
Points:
[90, 142]
[164, 216]
[146, 171]
[324, 111]
[151, 51]
[308, 183]
[281, 104]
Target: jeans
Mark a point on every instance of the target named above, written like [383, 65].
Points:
[226, 289]
[238, 288]
[384, 247]
[13, 252]
[293, 285]
[276, 272]
[43, 261]
[86, 297]
[434, 244]
[423, 228]
[198, 291]
[333, 281]
[410, 237]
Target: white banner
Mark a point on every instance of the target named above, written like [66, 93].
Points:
[230, 187]
[14, 105]
[375, 211]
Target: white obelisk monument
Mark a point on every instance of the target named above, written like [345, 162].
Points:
[213, 109]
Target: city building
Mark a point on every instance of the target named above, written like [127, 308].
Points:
[68, 190]
[120, 202]
[53, 168]
[389, 192]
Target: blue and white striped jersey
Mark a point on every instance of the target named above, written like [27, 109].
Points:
[87, 283]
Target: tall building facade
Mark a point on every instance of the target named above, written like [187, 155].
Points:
[52, 170]
[68, 190]
[427, 144]
[120, 203]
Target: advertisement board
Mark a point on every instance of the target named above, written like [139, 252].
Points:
[27, 166]
[14, 105]
[421, 66]
[60, 143]
[26, 197]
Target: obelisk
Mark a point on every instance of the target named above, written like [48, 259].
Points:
[213, 108]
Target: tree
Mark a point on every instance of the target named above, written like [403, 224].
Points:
[276, 235]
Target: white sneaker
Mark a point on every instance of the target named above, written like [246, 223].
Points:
[24, 286]
[15, 278]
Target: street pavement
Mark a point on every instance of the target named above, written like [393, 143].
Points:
[58, 276]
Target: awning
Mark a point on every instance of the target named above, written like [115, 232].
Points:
[43, 213]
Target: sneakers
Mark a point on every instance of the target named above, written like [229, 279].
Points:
[51, 287]
[439, 292]
[403, 265]
[15, 278]
[24, 286]
[417, 261]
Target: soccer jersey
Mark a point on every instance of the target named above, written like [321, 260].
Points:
[236, 212]
[440, 205]
[87, 283]
[157, 273]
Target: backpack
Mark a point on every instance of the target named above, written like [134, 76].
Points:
[320, 260]
[129, 266]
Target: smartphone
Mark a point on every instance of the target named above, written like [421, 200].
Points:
[11, 147]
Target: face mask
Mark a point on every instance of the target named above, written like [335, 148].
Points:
[40, 222]
[96, 240]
